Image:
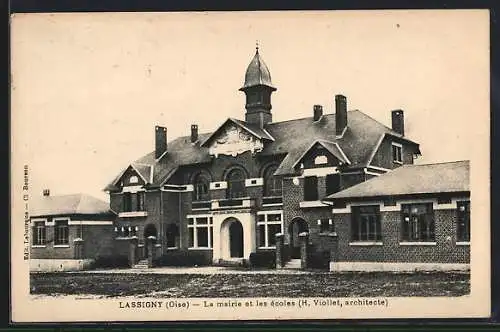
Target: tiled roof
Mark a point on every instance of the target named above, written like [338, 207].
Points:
[296, 136]
[291, 138]
[412, 179]
[81, 204]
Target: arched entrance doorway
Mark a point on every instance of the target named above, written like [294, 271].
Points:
[236, 240]
[297, 226]
[232, 239]
[149, 230]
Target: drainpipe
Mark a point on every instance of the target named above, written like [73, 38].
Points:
[161, 223]
[180, 214]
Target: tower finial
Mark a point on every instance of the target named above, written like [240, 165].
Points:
[257, 46]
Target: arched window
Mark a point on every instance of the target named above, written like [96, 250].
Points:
[273, 185]
[236, 183]
[201, 186]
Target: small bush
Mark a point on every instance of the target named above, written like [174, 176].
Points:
[111, 262]
[319, 260]
[265, 259]
[182, 258]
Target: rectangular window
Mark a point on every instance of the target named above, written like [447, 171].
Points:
[39, 233]
[417, 222]
[127, 202]
[397, 153]
[463, 221]
[202, 235]
[332, 183]
[79, 231]
[272, 230]
[310, 188]
[61, 232]
[191, 237]
[140, 200]
[262, 235]
[201, 192]
[269, 224]
[365, 223]
[200, 232]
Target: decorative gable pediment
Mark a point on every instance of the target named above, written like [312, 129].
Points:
[232, 139]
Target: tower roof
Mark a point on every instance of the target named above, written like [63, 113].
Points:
[257, 73]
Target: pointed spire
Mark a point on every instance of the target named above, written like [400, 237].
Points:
[257, 72]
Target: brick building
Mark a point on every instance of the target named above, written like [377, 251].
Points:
[69, 227]
[416, 214]
[228, 193]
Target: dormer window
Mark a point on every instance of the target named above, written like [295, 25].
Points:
[397, 153]
[134, 179]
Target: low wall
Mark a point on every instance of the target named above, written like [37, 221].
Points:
[59, 265]
[395, 267]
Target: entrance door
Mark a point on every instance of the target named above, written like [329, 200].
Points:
[296, 227]
[236, 240]
[149, 230]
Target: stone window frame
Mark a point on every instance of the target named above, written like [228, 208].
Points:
[374, 221]
[266, 223]
[61, 241]
[194, 225]
[397, 153]
[429, 217]
[39, 244]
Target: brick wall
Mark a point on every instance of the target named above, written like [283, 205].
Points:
[98, 240]
[292, 196]
[383, 156]
[445, 250]
[351, 179]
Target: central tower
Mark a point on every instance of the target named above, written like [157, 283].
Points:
[258, 88]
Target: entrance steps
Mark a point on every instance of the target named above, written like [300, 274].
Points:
[293, 264]
[142, 264]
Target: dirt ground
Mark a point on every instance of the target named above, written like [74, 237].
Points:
[252, 285]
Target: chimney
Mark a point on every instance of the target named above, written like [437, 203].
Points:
[340, 114]
[398, 121]
[160, 141]
[46, 192]
[194, 133]
[317, 112]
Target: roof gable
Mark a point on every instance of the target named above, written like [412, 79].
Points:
[331, 147]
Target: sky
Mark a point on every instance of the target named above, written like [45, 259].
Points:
[88, 89]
